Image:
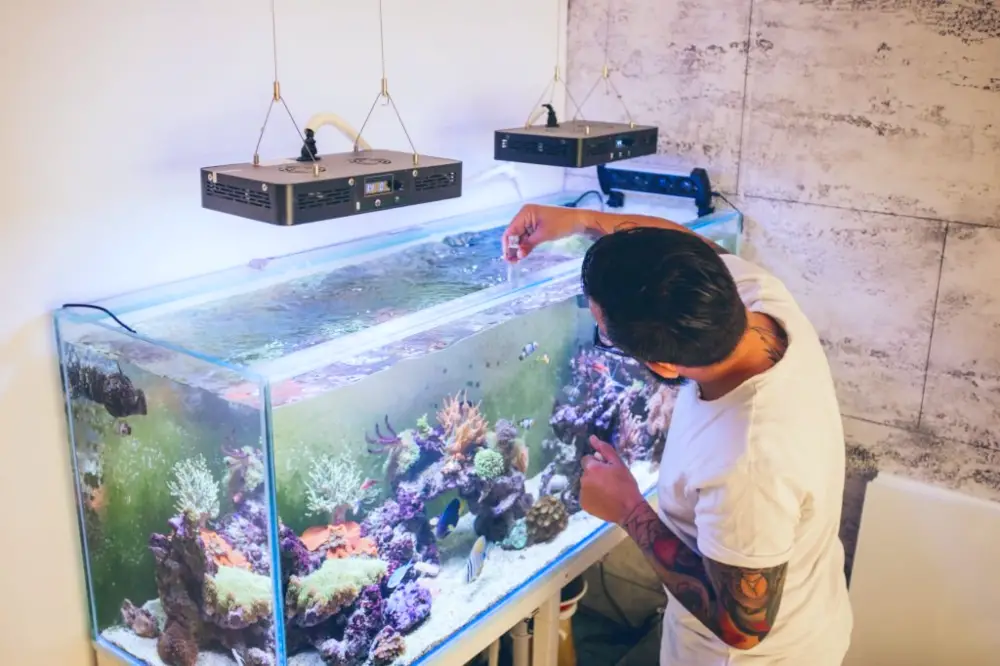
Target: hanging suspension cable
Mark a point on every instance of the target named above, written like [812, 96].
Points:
[609, 85]
[384, 94]
[276, 97]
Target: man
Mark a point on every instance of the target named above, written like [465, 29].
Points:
[745, 540]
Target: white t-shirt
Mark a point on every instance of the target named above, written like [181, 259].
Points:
[755, 479]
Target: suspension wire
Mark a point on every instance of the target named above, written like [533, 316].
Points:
[605, 76]
[550, 88]
[385, 95]
[277, 97]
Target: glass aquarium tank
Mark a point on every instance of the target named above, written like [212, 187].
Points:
[344, 456]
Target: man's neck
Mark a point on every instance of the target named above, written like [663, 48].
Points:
[763, 345]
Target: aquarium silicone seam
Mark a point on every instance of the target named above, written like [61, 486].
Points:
[119, 653]
[321, 355]
[522, 588]
[80, 518]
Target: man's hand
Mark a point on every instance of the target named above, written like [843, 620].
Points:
[535, 224]
[607, 488]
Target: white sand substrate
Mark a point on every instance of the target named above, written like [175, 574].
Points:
[456, 603]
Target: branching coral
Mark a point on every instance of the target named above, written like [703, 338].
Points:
[335, 585]
[244, 472]
[463, 423]
[401, 450]
[194, 489]
[334, 486]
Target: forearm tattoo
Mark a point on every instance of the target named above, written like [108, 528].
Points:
[738, 605]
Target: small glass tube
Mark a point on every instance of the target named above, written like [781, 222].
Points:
[513, 243]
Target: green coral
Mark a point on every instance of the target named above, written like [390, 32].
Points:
[489, 464]
[423, 425]
[332, 587]
[239, 596]
[517, 538]
[407, 454]
[250, 464]
[333, 485]
[194, 489]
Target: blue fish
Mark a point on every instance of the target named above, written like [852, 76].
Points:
[399, 574]
[477, 559]
[445, 523]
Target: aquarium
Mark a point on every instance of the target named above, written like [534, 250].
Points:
[344, 456]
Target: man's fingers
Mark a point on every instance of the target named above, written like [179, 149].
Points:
[605, 450]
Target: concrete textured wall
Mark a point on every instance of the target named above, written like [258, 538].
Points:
[861, 140]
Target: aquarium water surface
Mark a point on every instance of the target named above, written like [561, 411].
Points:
[368, 509]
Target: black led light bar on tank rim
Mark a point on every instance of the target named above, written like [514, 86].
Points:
[290, 192]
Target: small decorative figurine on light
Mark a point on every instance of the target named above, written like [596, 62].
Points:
[308, 153]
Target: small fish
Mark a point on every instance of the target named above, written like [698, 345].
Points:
[477, 559]
[445, 523]
[544, 358]
[368, 484]
[527, 350]
[399, 574]
[525, 424]
[123, 428]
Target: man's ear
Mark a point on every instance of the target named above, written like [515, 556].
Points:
[665, 370]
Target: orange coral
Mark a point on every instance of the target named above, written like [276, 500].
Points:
[520, 459]
[221, 552]
[463, 424]
[349, 542]
[343, 540]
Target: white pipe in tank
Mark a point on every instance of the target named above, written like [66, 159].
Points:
[522, 643]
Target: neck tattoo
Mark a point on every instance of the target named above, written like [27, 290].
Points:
[774, 339]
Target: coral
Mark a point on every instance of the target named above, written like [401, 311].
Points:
[546, 519]
[362, 626]
[334, 486]
[139, 620]
[513, 450]
[335, 585]
[408, 607]
[489, 464]
[113, 390]
[517, 537]
[246, 530]
[389, 645]
[402, 450]
[155, 609]
[337, 541]
[236, 598]
[296, 560]
[463, 423]
[244, 472]
[194, 489]
[181, 567]
[220, 551]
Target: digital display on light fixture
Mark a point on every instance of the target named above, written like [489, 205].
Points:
[378, 185]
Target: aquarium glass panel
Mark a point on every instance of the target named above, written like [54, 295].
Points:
[377, 448]
[172, 488]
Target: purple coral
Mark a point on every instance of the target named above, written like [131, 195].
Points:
[389, 645]
[408, 607]
[381, 443]
[246, 530]
[296, 560]
[362, 627]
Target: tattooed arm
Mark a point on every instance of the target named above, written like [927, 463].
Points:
[599, 224]
[736, 604]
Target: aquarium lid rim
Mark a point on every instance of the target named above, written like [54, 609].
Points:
[369, 339]
[174, 295]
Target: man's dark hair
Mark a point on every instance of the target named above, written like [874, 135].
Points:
[666, 296]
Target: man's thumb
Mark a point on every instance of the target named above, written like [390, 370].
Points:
[606, 450]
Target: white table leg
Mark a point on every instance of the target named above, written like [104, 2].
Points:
[545, 637]
[494, 653]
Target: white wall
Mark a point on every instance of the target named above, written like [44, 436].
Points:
[110, 108]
